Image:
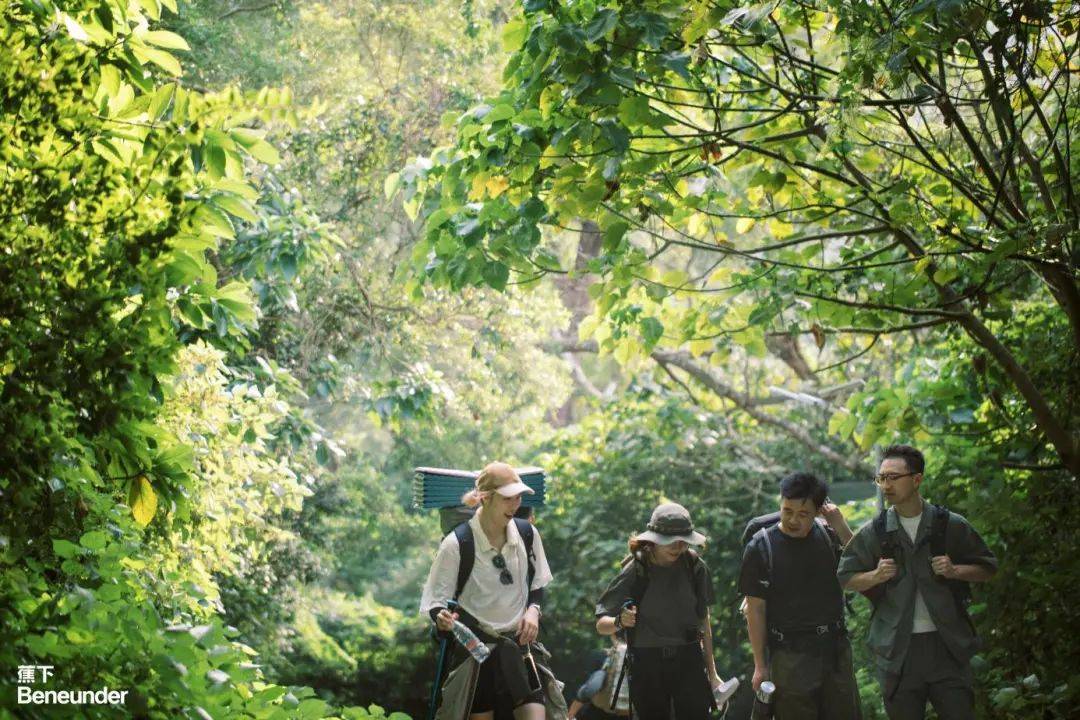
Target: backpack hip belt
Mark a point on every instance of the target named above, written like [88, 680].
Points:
[833, 628]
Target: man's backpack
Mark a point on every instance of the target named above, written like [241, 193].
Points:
[939, 545]
[604, 698]
[467, 553]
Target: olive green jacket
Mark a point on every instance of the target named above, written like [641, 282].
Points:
[891, 622]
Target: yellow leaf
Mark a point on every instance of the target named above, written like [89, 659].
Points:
[143, 500]
[744, 225]
[75, 30]
[697, 225]
[476, 192]
[548, 157]
[780, 229]
[496, 186]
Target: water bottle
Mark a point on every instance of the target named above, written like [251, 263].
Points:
[763, 705]
[467, 638]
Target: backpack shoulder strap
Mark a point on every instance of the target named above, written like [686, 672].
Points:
[641, 580]
[467, 556]
[766, 546]
[885, 539]
[939, 529]
[527, 533]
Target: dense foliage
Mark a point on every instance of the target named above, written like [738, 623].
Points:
[259, 260]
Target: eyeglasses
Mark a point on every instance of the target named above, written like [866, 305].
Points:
[885, 478]
[504, 575]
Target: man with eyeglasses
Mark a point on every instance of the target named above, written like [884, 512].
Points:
[915, 561]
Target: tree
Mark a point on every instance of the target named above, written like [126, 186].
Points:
[836, 170]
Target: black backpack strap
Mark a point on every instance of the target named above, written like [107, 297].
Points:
[527, 533]
[641, 580]
[467, 556]
[766, 545]
[886, 539]
[939, 545]
[939, 530]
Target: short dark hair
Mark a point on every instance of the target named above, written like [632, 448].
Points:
[524, 512]
[802, 485]
[914, 459]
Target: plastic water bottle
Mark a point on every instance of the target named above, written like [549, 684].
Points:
[468, 639]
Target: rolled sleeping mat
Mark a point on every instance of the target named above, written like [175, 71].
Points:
[443, 487]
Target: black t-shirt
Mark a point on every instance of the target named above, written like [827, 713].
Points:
[674, 604]
[803, 591]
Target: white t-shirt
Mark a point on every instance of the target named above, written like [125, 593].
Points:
[498, 608]
[923, 622]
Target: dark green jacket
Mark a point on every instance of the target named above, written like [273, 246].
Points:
[890, 625]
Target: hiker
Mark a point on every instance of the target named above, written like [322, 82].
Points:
[795, 607]
[494, 568]
[914, 561]
[660, 601]
[595, 699]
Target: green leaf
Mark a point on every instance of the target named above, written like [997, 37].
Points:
[159, 103]
[651, 332]
[514, 34]
[183, 269]
[161, 58]
[165, 39]
[64, 548]
[94, 540]
[614, 233]
[602, 23]
[496, 274]
[235, 206]
[264, 152]
[214, 157]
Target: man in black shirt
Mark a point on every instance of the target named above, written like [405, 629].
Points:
[795, 606]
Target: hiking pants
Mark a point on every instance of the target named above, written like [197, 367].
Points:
[814, 683]
[662, 676]
[930, 673]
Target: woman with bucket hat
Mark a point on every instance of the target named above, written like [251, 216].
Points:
[660, 600]
[489, 574]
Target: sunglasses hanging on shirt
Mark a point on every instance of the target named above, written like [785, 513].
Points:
[504, 575]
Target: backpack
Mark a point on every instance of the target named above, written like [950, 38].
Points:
[939, 532]
[604, 698]
[467, 552]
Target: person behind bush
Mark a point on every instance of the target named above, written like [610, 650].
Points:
[499, 604]
[600, 683]
[662, 595]
[795, 607]
[920, 633]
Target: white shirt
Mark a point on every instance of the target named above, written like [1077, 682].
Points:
[498, 608]
[923, 622]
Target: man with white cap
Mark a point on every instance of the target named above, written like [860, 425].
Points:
[498, 599]
[661, 597]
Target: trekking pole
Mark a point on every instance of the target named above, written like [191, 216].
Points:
[444, 643]
[626, 660]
